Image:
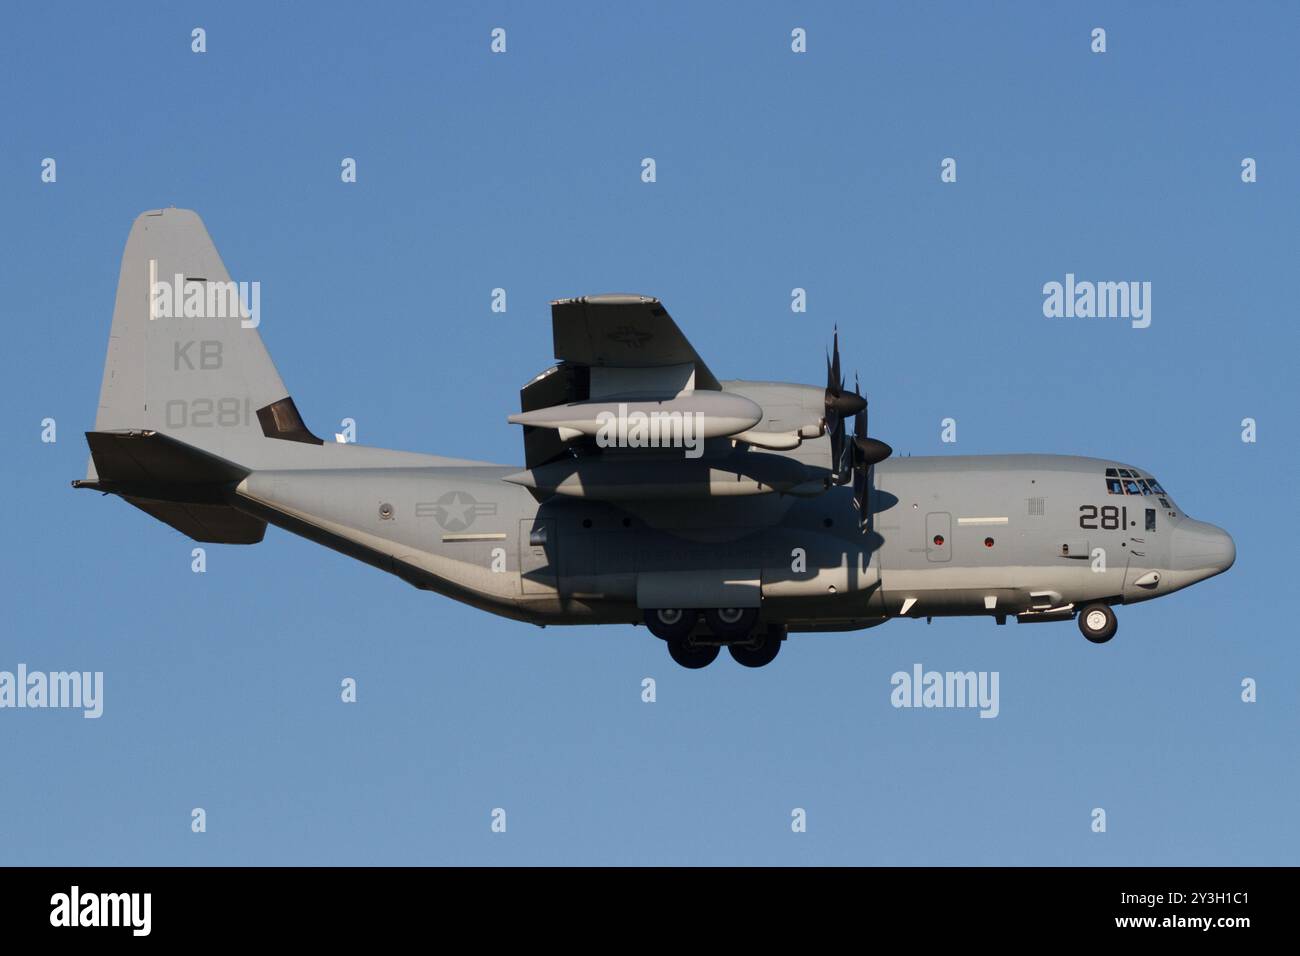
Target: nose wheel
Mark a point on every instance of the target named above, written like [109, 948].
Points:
[1098, 623]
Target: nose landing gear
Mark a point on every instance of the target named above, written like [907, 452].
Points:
[1098, 623]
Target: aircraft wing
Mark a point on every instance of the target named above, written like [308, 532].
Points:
[626, 332]
[629, 387]
[611, 348]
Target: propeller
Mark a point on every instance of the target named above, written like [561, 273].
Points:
[850, 461]
[866, 452]
[839, 405]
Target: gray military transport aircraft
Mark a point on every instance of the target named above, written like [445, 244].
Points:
[717, 513]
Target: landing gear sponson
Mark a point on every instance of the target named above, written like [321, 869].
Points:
[737, 628]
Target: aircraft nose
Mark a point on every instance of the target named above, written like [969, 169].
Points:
[1198, 546]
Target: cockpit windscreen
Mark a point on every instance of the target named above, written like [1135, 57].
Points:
[1128, 481]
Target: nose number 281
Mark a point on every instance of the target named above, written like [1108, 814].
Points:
[1111, 517]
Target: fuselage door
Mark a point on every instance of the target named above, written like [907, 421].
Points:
[938, 536]
[537, 551]
[1142, 528]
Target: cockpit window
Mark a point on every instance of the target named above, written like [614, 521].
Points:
[1125, 481]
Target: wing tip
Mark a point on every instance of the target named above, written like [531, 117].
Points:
[609, 298]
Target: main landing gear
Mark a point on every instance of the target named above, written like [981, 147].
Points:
[1097, 621]
[761, 649]
[690, 654]
[670, 623]
[736, 628]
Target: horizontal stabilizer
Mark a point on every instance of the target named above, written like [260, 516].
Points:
[217, 524]
[152, 457]
[176, 483]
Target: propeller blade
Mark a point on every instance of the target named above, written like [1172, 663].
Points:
[839, 448]
[860, 418]
[832, 417]
[835, 368]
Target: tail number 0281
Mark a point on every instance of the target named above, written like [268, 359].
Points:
[226, 412]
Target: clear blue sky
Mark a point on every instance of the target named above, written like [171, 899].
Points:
[775, 170]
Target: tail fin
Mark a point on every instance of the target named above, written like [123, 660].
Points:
[190, 396]
[184, 356]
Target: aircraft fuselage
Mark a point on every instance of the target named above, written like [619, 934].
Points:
[963, 535]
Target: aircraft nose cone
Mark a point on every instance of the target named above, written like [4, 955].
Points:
[1198, 546]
